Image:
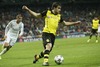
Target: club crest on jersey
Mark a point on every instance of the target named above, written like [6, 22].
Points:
[49, 17]
[47, 40]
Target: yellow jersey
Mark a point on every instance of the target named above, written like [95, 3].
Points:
[95, 24]
[51, 21]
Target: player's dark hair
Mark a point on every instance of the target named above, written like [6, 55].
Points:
[19, 15]
[55, 5]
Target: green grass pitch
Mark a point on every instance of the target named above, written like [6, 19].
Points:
[76, 52]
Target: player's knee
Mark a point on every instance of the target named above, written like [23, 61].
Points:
[48, 46]
[6, 44]
[8, 47]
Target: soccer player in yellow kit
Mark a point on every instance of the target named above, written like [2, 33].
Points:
[95, 24]
[52, 19]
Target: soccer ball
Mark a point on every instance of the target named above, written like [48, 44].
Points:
[58, 59]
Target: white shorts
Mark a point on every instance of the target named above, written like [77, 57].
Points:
[99, 29]
[11, 40]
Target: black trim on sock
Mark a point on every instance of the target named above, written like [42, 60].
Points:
[46, 52]
[41, 55]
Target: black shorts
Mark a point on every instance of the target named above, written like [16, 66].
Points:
[94, 31]
[48, 38]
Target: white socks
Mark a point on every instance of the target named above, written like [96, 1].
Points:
[3, 51]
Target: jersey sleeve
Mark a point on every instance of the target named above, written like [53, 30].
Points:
[44, 13]
[8, 27]
[61, 19]
[22, 30]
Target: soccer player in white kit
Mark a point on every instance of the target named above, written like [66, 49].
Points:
[13, 30]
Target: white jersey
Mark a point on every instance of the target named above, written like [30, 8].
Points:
[13, 29]
[99, 28]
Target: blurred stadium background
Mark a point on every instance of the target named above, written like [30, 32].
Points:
[72, 10]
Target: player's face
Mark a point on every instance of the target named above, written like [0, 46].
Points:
[19, 19]
[58, 9]
[96, 18]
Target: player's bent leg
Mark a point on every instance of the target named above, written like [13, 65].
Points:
[90, 37]
[6, 47]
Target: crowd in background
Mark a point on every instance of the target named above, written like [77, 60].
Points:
[33, 26]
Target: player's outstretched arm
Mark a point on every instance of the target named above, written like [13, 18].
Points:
[21, 31]
[71, 23]
[31, 12]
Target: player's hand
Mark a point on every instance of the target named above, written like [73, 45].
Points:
[25, 7]
[5, 37]
[78, 22]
